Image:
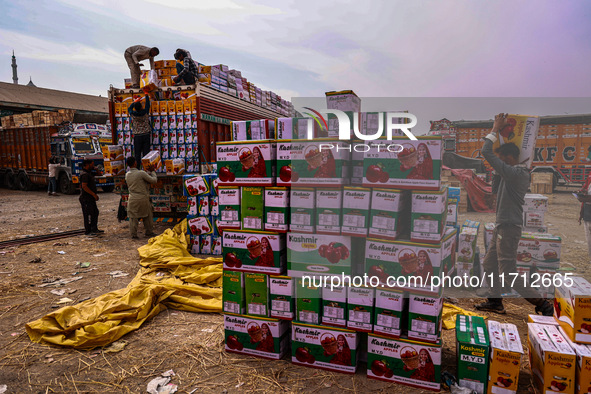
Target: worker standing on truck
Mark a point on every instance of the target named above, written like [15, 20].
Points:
[187, 71]
[88, 198]
[501, 258]
[141, 128]
[134, 55]
[139, 205]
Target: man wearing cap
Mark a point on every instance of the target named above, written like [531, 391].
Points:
[134, 55]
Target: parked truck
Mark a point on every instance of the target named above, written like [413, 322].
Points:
[563, 146]
[208, 112]
[25, 153]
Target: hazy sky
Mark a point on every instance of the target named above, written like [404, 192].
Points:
[415, 48]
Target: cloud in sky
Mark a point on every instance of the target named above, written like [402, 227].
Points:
[304, 48]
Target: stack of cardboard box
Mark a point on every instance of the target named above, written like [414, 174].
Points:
[292, 214]
[203, 214]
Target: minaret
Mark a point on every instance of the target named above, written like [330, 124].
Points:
[14, 76]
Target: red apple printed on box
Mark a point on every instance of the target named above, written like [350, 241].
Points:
[196, 185]
[199, 226]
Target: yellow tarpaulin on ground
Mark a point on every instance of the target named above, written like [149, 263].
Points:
[169, 277]
[449, 315]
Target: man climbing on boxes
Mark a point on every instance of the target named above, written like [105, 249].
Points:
[140, 127]
[501, 258]
[139, 205]
[134, 55]
[187, 71]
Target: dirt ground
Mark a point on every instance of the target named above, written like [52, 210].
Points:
[191, 344]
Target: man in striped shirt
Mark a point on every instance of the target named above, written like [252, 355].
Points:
[186, 72]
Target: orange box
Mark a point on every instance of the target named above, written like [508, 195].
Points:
[117, 108]
[169, 63]
[171, 107]
[163, 72]
[583, 373]
[193, 105]
[572, 309]
[172, 71]
[174, 166]
[159, 64]
[152, 158]
[154, 108]
[551, 358]
[187, 106]
[180, 108]
[163, 108]
[505, 358]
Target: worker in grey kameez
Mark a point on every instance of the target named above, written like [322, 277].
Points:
[139, 205]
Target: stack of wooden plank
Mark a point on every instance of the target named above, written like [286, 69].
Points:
[541, 182]
[38, 118]
[447, 178]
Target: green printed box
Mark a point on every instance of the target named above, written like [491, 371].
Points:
[229, 200]
[246, 163]
[330, 348]
[403, 164]
[329, 204]
[318, 254]
[256, 336]
[424, 315]
[385, 259]
[334, 306]
[256, 289]
[404, 361]
[233, 286]
[472, 350]
[302, 217]
[308, 302]
[276, 209]
[360, 303]
[428, 215]
[356, 206]
[281, 289]
[254, 251]
[386, 217]
[321, 162]
[252, 207]
[388, 312]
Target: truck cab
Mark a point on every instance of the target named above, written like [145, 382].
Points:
[75, 143]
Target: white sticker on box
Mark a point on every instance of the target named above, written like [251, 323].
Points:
[280, 305]
[335, 313]
[423, 326]
[426, 226]
[388, 321]
[353, 221]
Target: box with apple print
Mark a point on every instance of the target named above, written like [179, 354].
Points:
[254, 251]
[256, 336]
[403, 164]
[320, 254]
[246, 163]
[384, 258]
[333, 349]
[321, 162]
[404, 361]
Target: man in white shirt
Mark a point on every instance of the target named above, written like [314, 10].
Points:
[134, 55]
